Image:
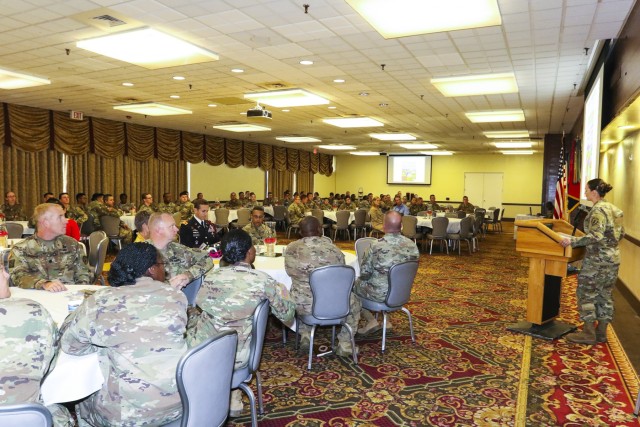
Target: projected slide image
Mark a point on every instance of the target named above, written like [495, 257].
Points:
[409, 170]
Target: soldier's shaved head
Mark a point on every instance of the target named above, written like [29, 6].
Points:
[310, 226]
[392, 222]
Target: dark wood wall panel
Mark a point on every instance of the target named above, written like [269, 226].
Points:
[624, 78]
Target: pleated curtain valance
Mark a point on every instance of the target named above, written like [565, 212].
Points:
[33, 130]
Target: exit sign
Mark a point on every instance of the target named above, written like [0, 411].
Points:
[76, 115]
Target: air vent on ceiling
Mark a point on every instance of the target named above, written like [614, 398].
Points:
[111, 21]
[275, 85]
[107, 20]
[230, 100]
[126, 100]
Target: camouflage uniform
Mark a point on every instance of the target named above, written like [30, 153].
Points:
[28, 334]
[78, 214]
[301, 258]
[151, 208]
[386, 206]
[13, 213]
[391, 249]
[351, 207]
[258, 234]
[433, 206]
[169, 208]
[37, 261]
[138, 333]
[125, 207]
[228, 297]
[270, 202]
[233, 204]
[603, 231]
[364, 204]
[296, 212]
[180, 259]
[96, 208]
[414, 209]
[468, 208]
[377, 218]
[185, 209]
[310, 205]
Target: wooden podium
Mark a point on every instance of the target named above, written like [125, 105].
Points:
[538, 240]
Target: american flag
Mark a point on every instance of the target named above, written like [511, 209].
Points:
[559, 206]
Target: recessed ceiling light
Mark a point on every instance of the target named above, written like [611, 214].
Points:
[337, 147]
[514, 144]
[212, 105]
[306, 62]
[476, 84]
[286, 110]
[418, 146]
[174, 96]
[12, 80]
[383, 104]
[364, 153]
[237, 70]
[507, 134]
[128, 84]
[437, 153]
[297, 139]
[403, 18]
[242, 128]
[148, 48]
[287, 98]
[393, 136]
[338, 80]
[178, 77]
[495, 116]
[152, 109]
[353, 122]
[332, 107]
[364, 94]
[515, 152]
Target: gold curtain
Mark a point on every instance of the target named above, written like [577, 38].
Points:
[30, 175]
[70, 136]
[90, 173]
[192, 147]
[29, 128]
[304, 181]
[279, 181]
[140, 141]
[293, 160]
[168, 144]
[280, 159]
[108, 137]
[251, 154]
[325, 166]
[266, 157]
[233, 152]
[214, 150]
[313, 162]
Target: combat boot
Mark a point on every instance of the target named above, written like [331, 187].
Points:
[601, 331]
[587, 336]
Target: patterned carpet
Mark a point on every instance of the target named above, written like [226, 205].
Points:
[465, 369]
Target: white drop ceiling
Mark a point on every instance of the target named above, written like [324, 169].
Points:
[541, 41]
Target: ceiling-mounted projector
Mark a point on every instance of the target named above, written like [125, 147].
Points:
[258, 112]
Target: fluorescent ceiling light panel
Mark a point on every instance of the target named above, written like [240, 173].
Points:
[418, 146]
[337, 147]
[245, 127]
[485, 84]
[401, 18]
[353, 122]
[364, 153]
[11, 80]
[507, 134]
[148, 48]
[515, 152]
[523, 144]
[297, 139]
[495, 116]
[152, 109]
[287, 98]
[393, 136]
[437, 153]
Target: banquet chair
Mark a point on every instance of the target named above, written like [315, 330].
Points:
[478, 222]
[439, 232]
[400, 278]
[342, 224]
[409, 228]
[362, 246]
[98, 244]
[87, 227]
[177, 218]
[191, 290]
[451, 214]
[359, 223]
[493, 221]
[242, 376]
[279, 216]
[14, 230]
[222, 218]
[465, 234]
[203, 376]
[331, 287]
[500, 220]
[244, 218]
[25, 414]
[291, 226]
[461, 214]
[319, 215]
[111, 226]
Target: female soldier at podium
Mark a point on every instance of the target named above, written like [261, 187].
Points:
[603, 231]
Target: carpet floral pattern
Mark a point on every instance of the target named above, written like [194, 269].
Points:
[465, 367]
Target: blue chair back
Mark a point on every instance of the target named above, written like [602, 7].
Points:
[401, 278]
[331, 288]
[25, 414]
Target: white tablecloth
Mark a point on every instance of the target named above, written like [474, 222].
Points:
[73, 377]
[25, 224]
[129, 220]
[333, 217]
[453, 227]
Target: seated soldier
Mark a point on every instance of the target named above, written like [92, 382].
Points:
[124, 206]
[95, 208]
[348, 205]
[167, 205]
[256, 228]
[296, 210]
[109, 209]
[229, 296]
[465, 206]
[49, 259]
[141, 221]
[199, 232]
[432, 205]
[147, 203]
[184, 206]
[419, 206]
[137, 327]
[11, 209]
[233, 202]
